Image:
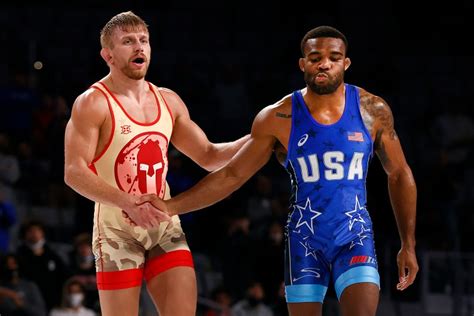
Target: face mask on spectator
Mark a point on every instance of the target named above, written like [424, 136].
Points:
[86, 259]
[76, 299]
[36, 245]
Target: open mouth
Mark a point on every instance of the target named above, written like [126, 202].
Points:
[138, 60]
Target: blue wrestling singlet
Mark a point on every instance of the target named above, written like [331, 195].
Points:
[329, 231]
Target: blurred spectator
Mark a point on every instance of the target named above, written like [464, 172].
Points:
[453, 131]
[279, 305]
[232, 101]
[17, 103]
[8, 218]
[31, 186]
[40, 263]
[259, 203]
[270, 268]
[252, 304]
[73, 298]
[26, 299]
[60, 195]
[223, 298]
[82, 268]
[238, 255]
[9, 167]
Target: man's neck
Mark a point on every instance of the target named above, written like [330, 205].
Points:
[122, 85]
[324, 101]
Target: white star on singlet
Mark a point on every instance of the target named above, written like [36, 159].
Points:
[361, 237]
[301, 209]
[355, 217]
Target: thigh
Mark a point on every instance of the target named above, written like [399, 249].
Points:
[119, 263]
[360, 299]
[123, 302]
[356, 262]
[305, 309]
[307, 272]
[174, 291]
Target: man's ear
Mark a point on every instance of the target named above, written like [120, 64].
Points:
[301, 64]
[347, 63]
[105, 53]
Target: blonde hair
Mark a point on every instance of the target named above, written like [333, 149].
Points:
[126, 21]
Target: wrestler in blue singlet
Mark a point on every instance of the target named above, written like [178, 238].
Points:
[329, 230]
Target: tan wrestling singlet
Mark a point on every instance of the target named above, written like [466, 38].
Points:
[135, 161]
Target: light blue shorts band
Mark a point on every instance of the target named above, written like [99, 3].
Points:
[301, 293]
[356, 275]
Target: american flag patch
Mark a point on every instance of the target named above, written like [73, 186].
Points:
[355, 136]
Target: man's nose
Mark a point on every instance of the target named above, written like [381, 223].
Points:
[325, 63]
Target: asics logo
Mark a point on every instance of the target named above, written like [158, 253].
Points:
[303, 140]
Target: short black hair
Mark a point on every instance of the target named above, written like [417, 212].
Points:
[323, 31]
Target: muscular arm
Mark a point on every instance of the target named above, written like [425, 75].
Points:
[217, 185]
[190, 139]
[401, 185]
[89, 113]
[81, 140]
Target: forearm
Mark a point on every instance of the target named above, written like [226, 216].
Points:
[223, 152]
[85, 182]
[403, 194]
[210, 190]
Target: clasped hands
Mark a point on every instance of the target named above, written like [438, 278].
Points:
[148, 211]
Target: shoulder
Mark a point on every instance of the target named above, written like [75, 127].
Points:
[172, 99]
[372, 103]
[89, 98]
[91, 103]
[170, 96]
[277, 111]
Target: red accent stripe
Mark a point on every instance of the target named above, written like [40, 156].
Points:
[101, 257]
[159, 264]
[93, 169]
[168, 107]
[116, 280]
[358, 259]
[111, 132]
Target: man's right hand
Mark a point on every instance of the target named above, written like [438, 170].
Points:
[160, 205]
[144, 214]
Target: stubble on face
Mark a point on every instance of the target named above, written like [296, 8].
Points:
[135, 74]
[333, 83]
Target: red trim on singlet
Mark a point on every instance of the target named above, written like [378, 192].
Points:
[162, 263]
[93, 168]
[117, 280]
[128, 115]
[167, 107]
[91, 165]
[99, 239]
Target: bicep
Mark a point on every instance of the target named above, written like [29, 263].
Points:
[189, 138]
[82, 134]
[379, 120]
[390, 153]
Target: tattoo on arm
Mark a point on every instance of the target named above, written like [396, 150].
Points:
[283, 115]
[382, 153]
[377, 114]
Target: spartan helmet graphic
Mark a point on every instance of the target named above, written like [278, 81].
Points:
[150, 167]
[142, 164]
